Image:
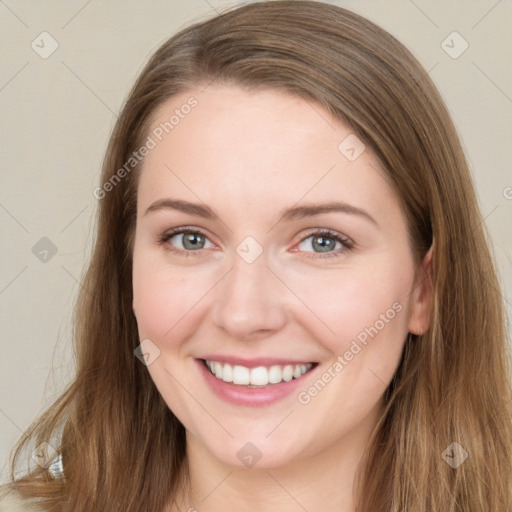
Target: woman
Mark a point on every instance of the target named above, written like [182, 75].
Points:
[291, 301]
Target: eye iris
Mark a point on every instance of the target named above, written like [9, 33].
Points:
[196, 240]
[324, 243]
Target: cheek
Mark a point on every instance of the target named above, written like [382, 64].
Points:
[165, 299]
[370, 318]
[356, 303]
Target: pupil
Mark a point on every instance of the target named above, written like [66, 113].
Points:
[192, 241]
[324, 243]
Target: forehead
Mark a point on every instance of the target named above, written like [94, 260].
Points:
[235, 146]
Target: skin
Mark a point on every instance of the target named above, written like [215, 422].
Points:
[248, 155]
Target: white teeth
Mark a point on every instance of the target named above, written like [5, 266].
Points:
[275, 375]
[227, 373]
[240, 374]
[260, 376]
[288, 373]
[218, 370]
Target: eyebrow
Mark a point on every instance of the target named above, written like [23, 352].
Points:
[288, 214]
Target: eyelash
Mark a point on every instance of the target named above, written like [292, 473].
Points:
[347, 242]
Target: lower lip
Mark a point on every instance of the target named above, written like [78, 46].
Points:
[251, 397]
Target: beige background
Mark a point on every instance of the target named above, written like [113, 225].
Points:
[57, 114]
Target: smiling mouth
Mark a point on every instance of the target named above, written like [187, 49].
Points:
[257, 377]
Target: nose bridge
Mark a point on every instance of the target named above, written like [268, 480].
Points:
[248, 279]
[250, 298]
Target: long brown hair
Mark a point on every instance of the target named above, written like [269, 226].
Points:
[123, 449]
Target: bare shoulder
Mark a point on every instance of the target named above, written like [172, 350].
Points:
[12, 501]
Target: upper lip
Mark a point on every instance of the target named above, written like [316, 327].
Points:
[253, 363]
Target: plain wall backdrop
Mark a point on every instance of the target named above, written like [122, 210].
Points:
[65, 70]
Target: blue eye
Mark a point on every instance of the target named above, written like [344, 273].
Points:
[190, 240]
[325, 242]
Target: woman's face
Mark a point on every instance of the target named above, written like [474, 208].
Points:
[292, 256]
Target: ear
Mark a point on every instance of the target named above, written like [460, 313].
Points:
[422, 296]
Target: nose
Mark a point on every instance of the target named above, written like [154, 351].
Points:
[250, 302]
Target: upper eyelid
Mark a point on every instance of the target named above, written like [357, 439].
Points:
[182, 230]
